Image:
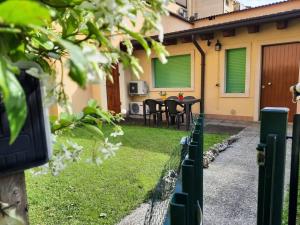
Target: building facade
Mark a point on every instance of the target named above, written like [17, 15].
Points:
[251, 58]
[257, 63]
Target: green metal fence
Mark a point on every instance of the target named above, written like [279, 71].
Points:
[271, 161]
[187, 204]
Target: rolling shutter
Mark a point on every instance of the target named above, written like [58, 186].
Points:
[174, 74]
[235, 70]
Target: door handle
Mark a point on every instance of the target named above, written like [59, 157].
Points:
[263, 86]
[269, 83]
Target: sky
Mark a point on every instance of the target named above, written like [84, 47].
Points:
[257, 2]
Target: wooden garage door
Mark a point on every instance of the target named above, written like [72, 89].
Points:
[113, 92]
[280, 71]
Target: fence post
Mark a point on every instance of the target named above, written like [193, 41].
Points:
[271, 159]
[196, 153]
[294, 178]
[188, 186]
[179, 209]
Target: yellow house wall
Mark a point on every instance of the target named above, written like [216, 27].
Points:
[218, 104]
[77, 97]
[187, 48]
[247, 106]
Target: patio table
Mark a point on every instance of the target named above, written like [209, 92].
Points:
[185, 102]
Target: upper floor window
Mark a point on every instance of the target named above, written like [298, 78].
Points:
[183, 3]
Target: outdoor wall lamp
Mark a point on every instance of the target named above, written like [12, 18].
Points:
[218, 46]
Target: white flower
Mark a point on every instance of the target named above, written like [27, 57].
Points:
[99, 161]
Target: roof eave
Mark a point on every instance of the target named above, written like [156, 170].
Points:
[236, 24]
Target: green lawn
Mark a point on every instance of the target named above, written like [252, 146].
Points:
[83, 191]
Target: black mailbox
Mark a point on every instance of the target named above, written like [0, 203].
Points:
[32, 147]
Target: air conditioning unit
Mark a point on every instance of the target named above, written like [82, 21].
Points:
[136, 108]
[139, 87]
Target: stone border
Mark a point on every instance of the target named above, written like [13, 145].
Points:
[216, 149]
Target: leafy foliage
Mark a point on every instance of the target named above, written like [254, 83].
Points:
[78, 34]
[90, 122]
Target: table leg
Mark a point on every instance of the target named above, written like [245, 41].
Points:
[172, 120]
[188, 117]
[144, 113]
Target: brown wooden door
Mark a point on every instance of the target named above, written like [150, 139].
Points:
[113, 92]
[280, 71]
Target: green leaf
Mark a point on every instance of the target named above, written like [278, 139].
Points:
[14, 100]
[92, 103]
[89, 120]
[106, 116]
[160, 51]
[88, 110]
[93, 29]
[77, 75]
[62, 3]
[78, 63]
[66, 119]
[55, 127]
[93, 129]
[23, 12]
[70, 25]
[42, 42]
[139, 38]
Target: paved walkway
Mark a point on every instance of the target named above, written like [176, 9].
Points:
[230, 183]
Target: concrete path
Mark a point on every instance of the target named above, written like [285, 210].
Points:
[230, 183]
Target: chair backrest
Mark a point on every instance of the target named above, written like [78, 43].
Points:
[152, 104]
[171, 106]
[172, 98]
[189, 97]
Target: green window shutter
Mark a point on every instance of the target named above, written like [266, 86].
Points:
[176, 73]
[235, 70]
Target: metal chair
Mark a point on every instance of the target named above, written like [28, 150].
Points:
[190, 106]
[176, 98]
[155, 109]
[172, 111]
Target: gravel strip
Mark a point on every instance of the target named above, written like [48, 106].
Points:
[137, 217]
